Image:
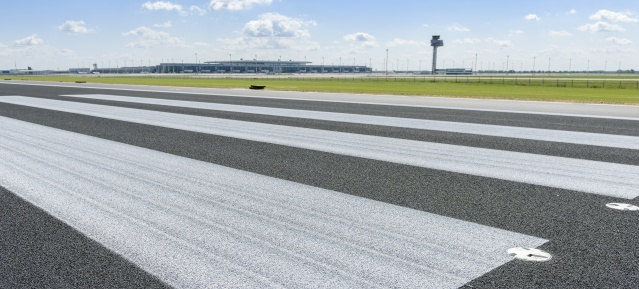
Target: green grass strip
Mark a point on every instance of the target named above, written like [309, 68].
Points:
[613, 91]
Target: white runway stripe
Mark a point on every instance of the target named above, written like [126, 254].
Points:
[617, 180]
[196, 225]
[583, 138]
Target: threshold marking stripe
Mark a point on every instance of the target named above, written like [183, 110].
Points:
[602, 178]
[582, 138]
[194, 224]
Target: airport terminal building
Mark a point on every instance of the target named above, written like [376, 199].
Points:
[240, 66]
[258, 66]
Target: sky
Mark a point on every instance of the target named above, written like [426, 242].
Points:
[489, 34]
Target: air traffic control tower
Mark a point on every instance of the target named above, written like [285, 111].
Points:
[435, 42]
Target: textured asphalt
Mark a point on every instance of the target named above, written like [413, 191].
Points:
[38, 251]
[488, 105]
[195, 224]
[592, 246]
[582, 175]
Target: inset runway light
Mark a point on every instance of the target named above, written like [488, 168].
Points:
[622, 207]
[529, 254]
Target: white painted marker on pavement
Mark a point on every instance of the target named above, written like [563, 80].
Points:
[609, 179]
[195, 225]
[583, 138]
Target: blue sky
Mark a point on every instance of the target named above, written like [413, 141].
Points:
[561, 34]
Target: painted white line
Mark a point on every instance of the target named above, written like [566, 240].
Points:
[530, 254]
[610, 179]
[623, 207]
[184, 90]
[583, 138]
[196, 225]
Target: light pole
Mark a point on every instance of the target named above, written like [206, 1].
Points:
[386, 62]
[570, 64]
[196, 66]
[507, 60]
[534, 60]
[475, 65]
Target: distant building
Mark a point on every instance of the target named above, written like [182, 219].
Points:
[27, 71]
[239, 66]
[455, 71]
[79, 70]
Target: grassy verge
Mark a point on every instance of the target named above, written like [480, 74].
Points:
[612, 93]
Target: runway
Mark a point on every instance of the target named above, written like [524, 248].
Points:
[203, 189]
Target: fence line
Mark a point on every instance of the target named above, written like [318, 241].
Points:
[516, 81]
[617, 83]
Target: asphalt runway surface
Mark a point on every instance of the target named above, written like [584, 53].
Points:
[147, 187]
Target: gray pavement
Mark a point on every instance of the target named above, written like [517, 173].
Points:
[592, 246]
[549, 108]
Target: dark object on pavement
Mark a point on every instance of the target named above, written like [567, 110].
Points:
[257, 86]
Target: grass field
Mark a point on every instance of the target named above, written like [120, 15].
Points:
[612, 91]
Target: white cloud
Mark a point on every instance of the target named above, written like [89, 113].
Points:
[515, 32]
[71, 26]
[559, 33]
[277, 25]
[612, 50]
[32, 40]
[532, 17]
[197, 10]
[250, 44]
[502, 43]
[148, 37]
[619, 41]
[601, 26]
[235, 5]
[402, 42]
[458, 28]
[572, 12]
[467, 41]
[274, 31]
[612, 16]
[359, 37]
[166, 24]
[201, 44]
[66, 51]
[604, 17]
[163, 5]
